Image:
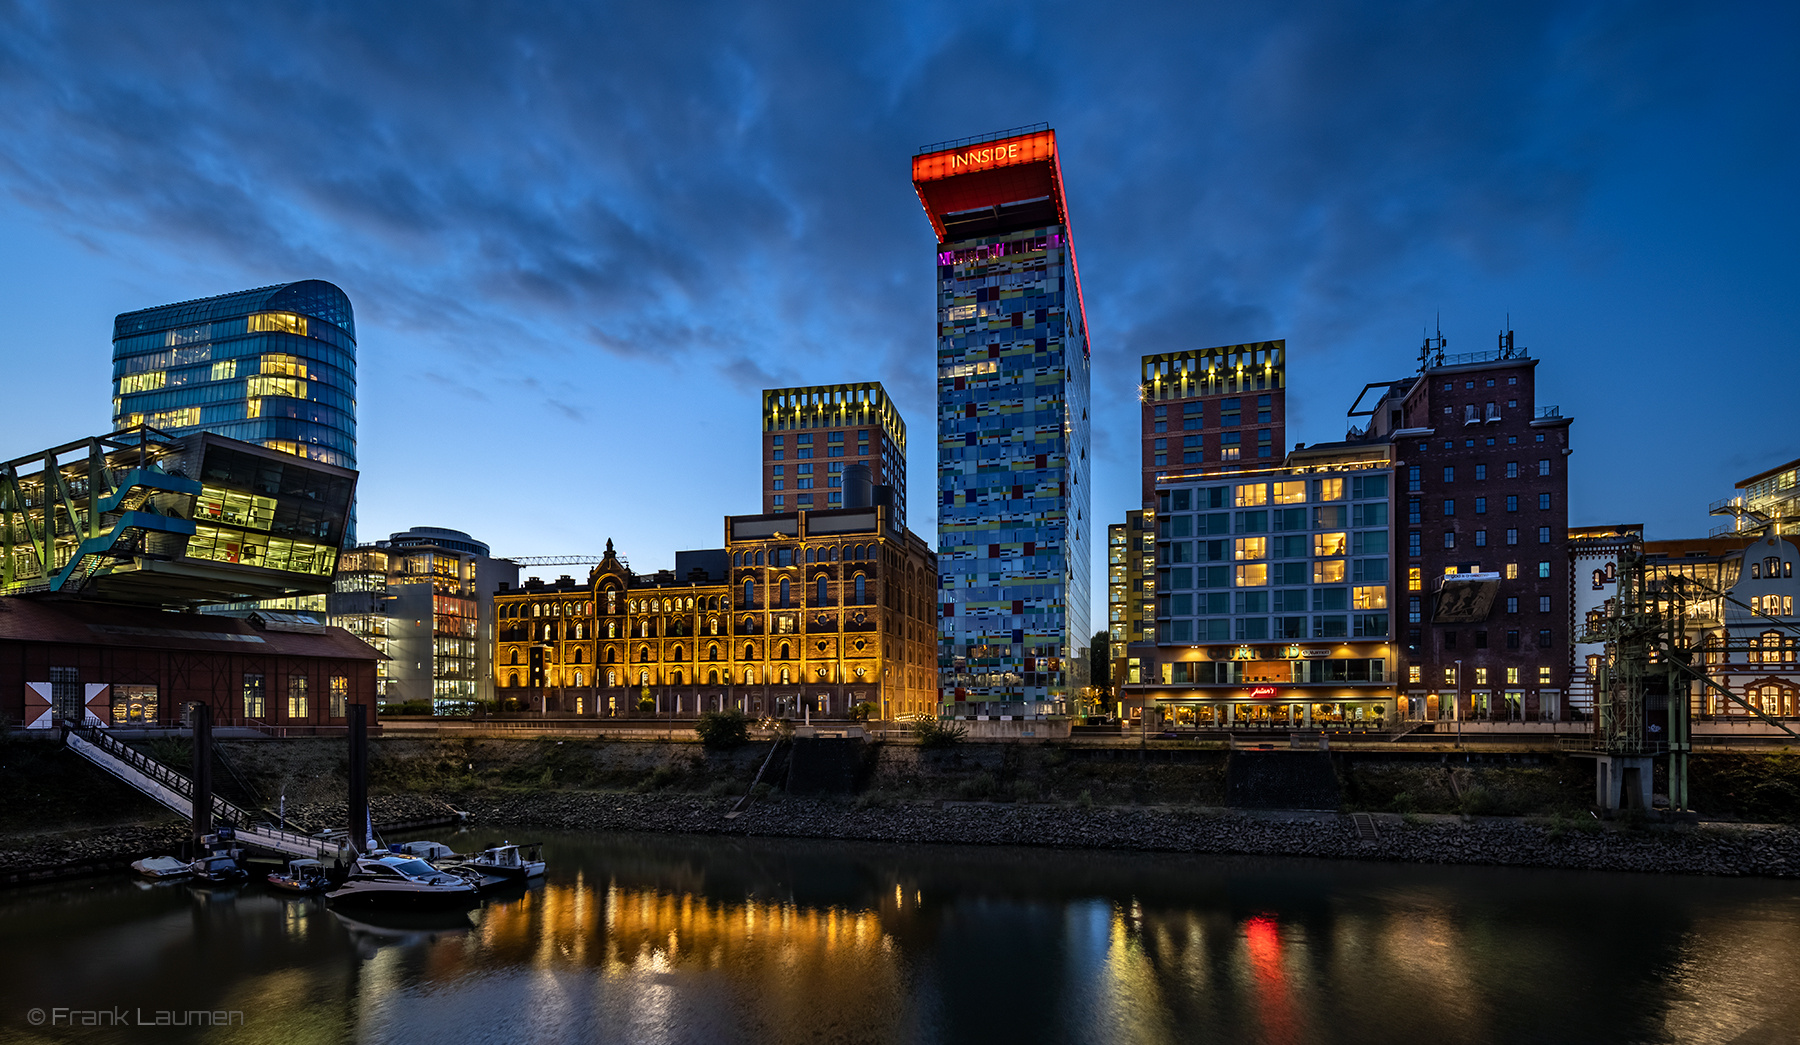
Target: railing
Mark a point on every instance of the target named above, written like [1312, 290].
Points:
[182, 788]
[1546, 413]
[994, 136]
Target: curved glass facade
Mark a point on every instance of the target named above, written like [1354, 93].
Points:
[275, 366]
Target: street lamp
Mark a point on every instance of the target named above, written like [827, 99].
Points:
[1458, 705]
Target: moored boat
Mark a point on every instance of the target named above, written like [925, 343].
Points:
[161, 868]
[388, 879]
[508, 860]
[302, 878]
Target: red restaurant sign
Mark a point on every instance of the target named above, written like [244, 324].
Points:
[1262, 691]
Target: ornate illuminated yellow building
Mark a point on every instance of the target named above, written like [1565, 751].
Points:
[802, 610]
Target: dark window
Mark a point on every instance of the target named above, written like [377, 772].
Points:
[1512, 640]
[1481, 640]
[1449, 640]
[1543, 501]
[1544, 639]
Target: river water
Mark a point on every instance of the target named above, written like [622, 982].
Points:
[686, 939]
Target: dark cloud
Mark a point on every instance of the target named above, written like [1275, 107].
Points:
[724, 186]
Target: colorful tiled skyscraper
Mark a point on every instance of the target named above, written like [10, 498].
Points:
[1014, 524]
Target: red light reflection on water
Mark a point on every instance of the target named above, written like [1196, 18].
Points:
[1262, 939]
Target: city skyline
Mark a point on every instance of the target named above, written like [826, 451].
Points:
[1603, 181]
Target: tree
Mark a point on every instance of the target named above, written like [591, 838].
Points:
[722, 729]
[1100, 662]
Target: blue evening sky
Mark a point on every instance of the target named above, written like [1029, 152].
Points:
[581, 238]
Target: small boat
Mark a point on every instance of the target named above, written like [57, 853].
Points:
[431, 852]
[393, 880]
[508, 860]
[219, 868]
[302, 878]
[162, 868]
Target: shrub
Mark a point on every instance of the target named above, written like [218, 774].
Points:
[931, 732]
[646, 704]
[1403, 802]
[863, 711]
[1085, 800]
[1477, 801]
[662, 776]
[722, 729]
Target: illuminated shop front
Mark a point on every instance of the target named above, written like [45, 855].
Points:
[1298, 686]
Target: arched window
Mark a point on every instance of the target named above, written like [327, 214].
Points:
[784, 676]
[676, 679]
[759, 557]
[678, 654]
[749, 676]
[612, 678]
[537, 610]
[612, 655]
[749, 593]
[643, 655]
[784, 593]
[643, 678]
[812, 555]
[579, 677]
[712, 677]
[512, 679]
[712, 624]
[737, 559]
[578, 656]
[862, 594]
[784, 651]
[712, 652]
[612, 629]
[822, 599]
[515, 656]
[749, 651]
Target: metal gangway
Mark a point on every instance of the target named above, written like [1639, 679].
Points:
[176, 793]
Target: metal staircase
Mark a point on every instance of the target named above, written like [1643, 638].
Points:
[176, 793]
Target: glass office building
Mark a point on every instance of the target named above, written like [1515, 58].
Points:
[1012, 353]
[275, 366]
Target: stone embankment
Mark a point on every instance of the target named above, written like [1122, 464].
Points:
[1734, 850]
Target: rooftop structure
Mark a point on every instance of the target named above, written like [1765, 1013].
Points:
[1212, 408]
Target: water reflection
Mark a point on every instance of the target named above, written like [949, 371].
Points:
[715, 940]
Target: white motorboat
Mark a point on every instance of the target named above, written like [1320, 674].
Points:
[431, 852]
[160, 868]
[392, 880]
[512, 861]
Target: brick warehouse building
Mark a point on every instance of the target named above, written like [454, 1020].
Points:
[1481, 535]
[122, 666]
[800, 613]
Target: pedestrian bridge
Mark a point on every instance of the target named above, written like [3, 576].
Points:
[175, 792]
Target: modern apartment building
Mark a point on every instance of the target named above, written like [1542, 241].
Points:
[1130, 591]
[1014, 519]
[811, 434]
[1481, 532]
[1274, 589]
[425, 598]
[1213, 409]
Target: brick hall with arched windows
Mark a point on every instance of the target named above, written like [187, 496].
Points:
[799, 614]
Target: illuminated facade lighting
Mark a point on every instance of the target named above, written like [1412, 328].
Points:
[812, 433]
[1013, 372]
[275, 366]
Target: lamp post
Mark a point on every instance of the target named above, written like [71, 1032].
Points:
[1458, 704]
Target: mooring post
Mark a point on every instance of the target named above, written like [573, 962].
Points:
[358, 805]
[202, 718]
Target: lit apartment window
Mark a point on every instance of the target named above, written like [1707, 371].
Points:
[1414, 673]
[1544, 675]
[1414, 581]
[1512, 675]
[1512, 571]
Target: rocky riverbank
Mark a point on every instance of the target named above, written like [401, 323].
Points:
[1706, 849]
[1731, 850]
